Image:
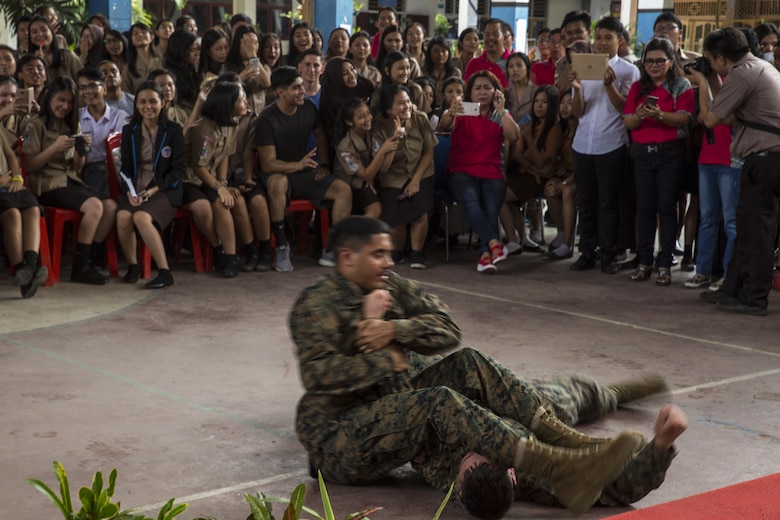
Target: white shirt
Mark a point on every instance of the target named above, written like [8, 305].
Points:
[601, 128]
[113, 120]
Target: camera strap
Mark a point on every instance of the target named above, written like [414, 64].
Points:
[759, 126]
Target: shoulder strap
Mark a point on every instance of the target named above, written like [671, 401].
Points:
[760, 126]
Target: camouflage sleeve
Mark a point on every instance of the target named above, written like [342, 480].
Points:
[329, 363]
[644, 473]
[427, 326]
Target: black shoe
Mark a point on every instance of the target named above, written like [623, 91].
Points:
[250, 263]
[552, 255]
[715, 296]
[219, 259]
[89, 275]
[417, 259]
[24, 275]
[737, 307]
[687, 265]
[583, 262]
[263, 264]
[398, 256]
[630, 265]
[133, 273]
[609, 266]
[38, 279]
[230, 270]
[164, 279]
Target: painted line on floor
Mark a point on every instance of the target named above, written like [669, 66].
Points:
[151, 389]
[226, 490]
[601, 319]
[726, 381]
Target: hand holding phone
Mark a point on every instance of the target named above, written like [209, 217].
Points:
[651, 101]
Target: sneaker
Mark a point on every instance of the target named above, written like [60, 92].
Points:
[264, 264]
[89, 275]
[499, 252]
[514, 248]
[417, 260]
[29, 290]
[715, 285]
[486, 266]
[687, 265]
[621, 256]
[698, 280]
[283, 263]
[328, 259]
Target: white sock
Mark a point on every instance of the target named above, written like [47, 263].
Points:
[562, 250]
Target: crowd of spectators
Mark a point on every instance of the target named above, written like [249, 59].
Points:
[227, 126]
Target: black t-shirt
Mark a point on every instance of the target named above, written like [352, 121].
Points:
[289, 134]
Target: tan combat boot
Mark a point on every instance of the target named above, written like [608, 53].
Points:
[631, 390]
[576, 476]
[550, 430]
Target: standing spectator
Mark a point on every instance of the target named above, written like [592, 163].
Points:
[438, 66]
[162, 33]
[33, 72]
[543, 72]
[340, 85]
[142, 58]
[542, 49]
[7, 61]
[600, 149]
[749, 93]
[270, 50]
[214, 49]
[625, 51]
[317, 39]
[52, 162]
[153, 160]
[338, 44]
[476, 171]
[768, 37]
[360, 54]
[414, 36]
[62, 61]
[115, 96]
[386, 17]
[23, 35]
[494, 56]
[397, 71]
[181, 58]
[187, 23]
[407, 186]
[100, 20]
[658, 110]
[543, 67]
[116, 47]
[288, 170]
[575, 27]
[91, 49]
[468, 47]
[301, 39]
[393, 41]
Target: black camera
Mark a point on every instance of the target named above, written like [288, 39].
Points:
[701, 64]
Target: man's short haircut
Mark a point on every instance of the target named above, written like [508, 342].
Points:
[283, 77]
[727, 42]
[542, 31]
[91, 73]
[356, 231]
[625, 35]
[576, 16]
[387, 8]
[240, 18]
[486, 491]
[311, 51]
[555, 31]
[491, 21]
[668, 16]
[612, 24]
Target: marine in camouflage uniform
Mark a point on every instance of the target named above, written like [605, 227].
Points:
[359, 419]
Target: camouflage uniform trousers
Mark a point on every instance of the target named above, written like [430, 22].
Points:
[457, 403]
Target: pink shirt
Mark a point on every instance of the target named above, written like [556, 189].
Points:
[720, 151]
[543, 73]
[476, 147]
[375, 43]
[652, 131]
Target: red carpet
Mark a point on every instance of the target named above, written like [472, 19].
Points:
[753, 500]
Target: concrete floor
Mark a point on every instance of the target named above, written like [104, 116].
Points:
[190, 392]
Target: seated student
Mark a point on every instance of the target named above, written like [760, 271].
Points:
[428, 87]
[8, 60]
[14, 112]
[210, 142]
[181, 59]
[393, 41]
[163, 30]
[115, 96]
[20, 215]
[116, 48]
[360, 157]
[62, 61]
[187, 23]
[360, 54]
[288, 171]
[32, 73]
[52, 159]
[214, 48]
[476, 170]
[98, 120]
[340, 85]
[153, 159]
[438, 67]
[22, 34]
[560, 191]
[397, 72]
[91, 50]
[167, 83]
[407, 186]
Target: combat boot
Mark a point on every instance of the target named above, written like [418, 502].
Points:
[631, 390]
[576, 477]
[550, 430]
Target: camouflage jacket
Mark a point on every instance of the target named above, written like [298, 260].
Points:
[337, 377]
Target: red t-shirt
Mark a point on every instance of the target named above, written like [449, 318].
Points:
[375, 43]
[720, 151]
[543, 73]
[476, 147]
[483, 63]
[652, 131]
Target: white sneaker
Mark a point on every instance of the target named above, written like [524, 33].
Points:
[328, 259]
[698, 280]
[486, 266]
[283, 263]
[514, 247]
[716, 284]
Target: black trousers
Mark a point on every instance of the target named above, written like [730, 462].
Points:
[598, 179]
[749, 277]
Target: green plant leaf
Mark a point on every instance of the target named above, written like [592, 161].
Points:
[111, 483]
[444, 502]
[97, 484]
[176, 511]
[363, 514]
[62, 478]
[258, 507]
[328, 509]
[87, 500]
[108, 511]
[297, 497]
[289, 513]
[46, 490]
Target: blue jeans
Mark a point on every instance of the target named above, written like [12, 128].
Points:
[718, 196]
[482, 200]
[657, 170]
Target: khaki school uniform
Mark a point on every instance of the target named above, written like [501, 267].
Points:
[129, 82]
[419, 138]
[70, 65]
[59, 169]
[207, 146]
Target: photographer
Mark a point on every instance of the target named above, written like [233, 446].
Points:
[749, 98]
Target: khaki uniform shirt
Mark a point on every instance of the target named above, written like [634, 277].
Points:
[207, 146]
[352, 152]
[419, 139]
[129, 82]
[177, 115]
[59, 169]
[70, 65]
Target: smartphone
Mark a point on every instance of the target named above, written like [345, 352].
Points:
[27, 96]
[470, 109]
[651, 101]
[254, 63]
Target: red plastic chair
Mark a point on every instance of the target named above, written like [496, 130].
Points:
[306, 207]
[57, 219]
[201, 249]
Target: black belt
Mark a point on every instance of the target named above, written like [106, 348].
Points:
[659, 147]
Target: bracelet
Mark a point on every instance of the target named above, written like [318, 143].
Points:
[661, 116]
[18, 179]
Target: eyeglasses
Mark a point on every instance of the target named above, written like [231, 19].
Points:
[91, 86]
[658, 62]
[110, 41]
[667, 27]
[543, 40]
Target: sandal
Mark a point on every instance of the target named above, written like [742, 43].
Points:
[642, 273]
[664, 277]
